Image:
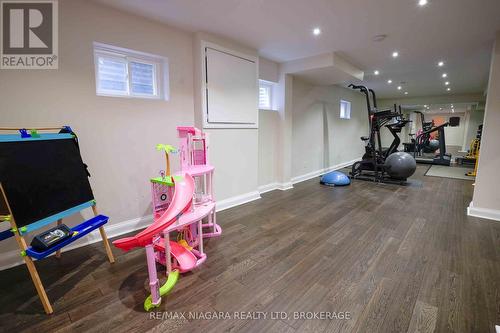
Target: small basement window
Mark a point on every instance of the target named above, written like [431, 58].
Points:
[345, 109]
[265, 95]
[122, 72]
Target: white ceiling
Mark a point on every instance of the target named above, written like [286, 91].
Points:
[457, 108]
[461, 32]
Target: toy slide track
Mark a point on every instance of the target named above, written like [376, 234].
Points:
[181, 202]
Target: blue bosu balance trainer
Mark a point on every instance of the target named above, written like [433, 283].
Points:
[335, 178]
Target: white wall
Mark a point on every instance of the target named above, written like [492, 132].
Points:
[268, 70]
[320, 139]
[268, 147]
[117, 135]
[486, 199]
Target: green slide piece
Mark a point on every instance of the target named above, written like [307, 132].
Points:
[173, 277]
[166, 180]
[163, 180]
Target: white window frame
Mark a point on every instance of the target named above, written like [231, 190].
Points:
[347, 113]
[272, 95]
[160, 71]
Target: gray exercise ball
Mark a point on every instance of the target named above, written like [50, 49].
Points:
[433, 145]
[400, 165]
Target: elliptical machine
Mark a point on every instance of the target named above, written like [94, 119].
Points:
[388, 166]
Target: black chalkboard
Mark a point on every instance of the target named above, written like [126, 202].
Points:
[42, 178]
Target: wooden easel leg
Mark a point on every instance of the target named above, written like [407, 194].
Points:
[106, 245]
[58, 252]
[29, 263]
[38, 285]
[104, 239]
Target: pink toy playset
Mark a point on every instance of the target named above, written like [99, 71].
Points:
[183, 203]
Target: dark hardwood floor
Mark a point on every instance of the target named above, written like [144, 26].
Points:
[398, 259]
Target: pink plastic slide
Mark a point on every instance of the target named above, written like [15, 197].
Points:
[181, 202]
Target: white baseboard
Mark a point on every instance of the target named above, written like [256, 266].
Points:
[285, 186]
[301, 178]
[320, 172]
[13, 258]
[485, 213]
[267, 188]
[237, 200]
[275, 186]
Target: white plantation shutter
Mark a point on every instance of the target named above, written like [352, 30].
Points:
[142, 79]
[112, 75]
[265, 95]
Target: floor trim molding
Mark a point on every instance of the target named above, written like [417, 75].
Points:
[237, 200]
[285, 186]
[317, 173]
[485, 213]
[275, 186]
[267, 188]
[310, 175]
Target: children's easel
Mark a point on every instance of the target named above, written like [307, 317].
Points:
[71, 172]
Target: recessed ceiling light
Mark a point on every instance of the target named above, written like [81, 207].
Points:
[395, 54]
[406, 93]
[399, 87]
[448, 89]
[389, 81]
[451, 105]
[316, 31]
[425, 105]
[444, 75]
[422, 2]
[440, 108]
[376, 72]
[447, 83]
[441, 63]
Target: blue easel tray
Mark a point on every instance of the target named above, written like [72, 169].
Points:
[81, 230]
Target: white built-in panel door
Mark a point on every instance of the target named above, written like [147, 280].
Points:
[231, 89]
